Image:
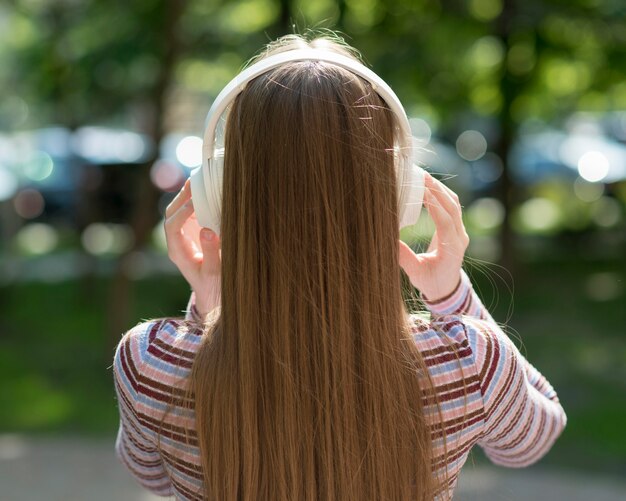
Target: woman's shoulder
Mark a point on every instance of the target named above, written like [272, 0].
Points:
[432, 333]
[162, 339]
[456, 332]
[462, 347]
[156, 355]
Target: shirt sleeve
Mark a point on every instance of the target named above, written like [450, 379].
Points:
[463, 300]
[191, 313]
[134, 446]
[522, 414]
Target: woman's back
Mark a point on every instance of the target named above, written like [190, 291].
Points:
[310, 381]
[489, 395]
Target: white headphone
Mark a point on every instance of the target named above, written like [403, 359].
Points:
[206, 180]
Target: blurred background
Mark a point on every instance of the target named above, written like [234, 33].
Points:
[519, 105]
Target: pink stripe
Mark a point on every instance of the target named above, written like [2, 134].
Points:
[496, 410]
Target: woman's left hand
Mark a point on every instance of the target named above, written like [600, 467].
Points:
[437, 272]
[194, 250]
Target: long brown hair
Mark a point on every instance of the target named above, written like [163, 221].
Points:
[308, 385]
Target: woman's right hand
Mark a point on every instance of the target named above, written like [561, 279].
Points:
[194, 250]
[437, 272]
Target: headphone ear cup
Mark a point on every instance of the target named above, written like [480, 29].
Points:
[199, 198]
[412, 195]
[213, 189]
[206, 192]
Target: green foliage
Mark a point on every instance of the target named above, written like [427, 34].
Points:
[495, 62]
[91, 61]
[55, 359]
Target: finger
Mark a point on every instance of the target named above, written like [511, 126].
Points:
[210, 244]
[175, 221]
[457, 215]
[446, 197]
[453, 195]
[448, 240]
[183, 195]
[444, 225]
[191, 230]
[180, 249]
[452, 198]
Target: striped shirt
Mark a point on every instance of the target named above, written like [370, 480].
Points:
[489, 395]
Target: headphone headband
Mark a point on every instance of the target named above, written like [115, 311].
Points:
[238, 84]
[206, 180]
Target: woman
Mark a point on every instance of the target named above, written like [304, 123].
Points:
[298, 373]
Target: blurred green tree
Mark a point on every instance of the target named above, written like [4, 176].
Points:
[122, 64]
[488, 64]
[495, 64]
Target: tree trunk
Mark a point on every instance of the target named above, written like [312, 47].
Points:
[145, 216]
[285, 23]
[509, 88]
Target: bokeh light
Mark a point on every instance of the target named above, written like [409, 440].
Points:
[102, 145]
[421, 131]
[486, 213]
[587, 191]
[539, 215]
[29, 203]
[471, 145]
[130, 147]
[38, 166]
[8, 184]
[166, 176]
[37, 238]
[106, 238]
[593, 166]
[565, 76]
[486, 53]
[189, 151]
[485, 10]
